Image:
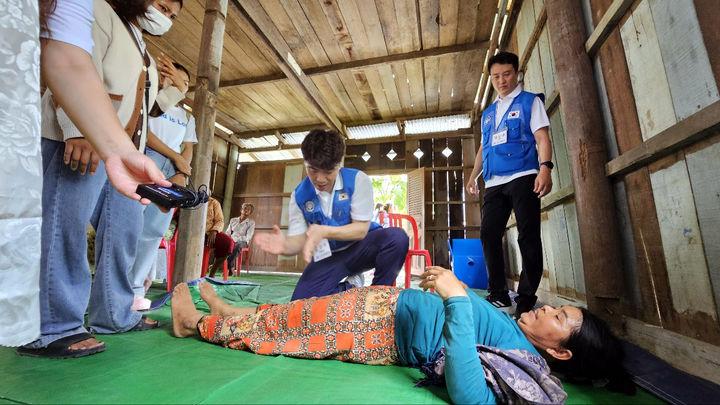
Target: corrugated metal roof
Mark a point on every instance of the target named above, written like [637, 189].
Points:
[287, 154]
[437, 124]
[261, 142]
[294, 138]
[373, 131]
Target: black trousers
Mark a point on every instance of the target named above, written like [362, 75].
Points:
[498, 201]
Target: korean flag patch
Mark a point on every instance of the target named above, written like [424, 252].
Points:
[514, 114]
[342, 196]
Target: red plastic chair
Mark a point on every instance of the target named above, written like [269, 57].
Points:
[169, 247]
[396, 221]
[238, 260]
[206, 258]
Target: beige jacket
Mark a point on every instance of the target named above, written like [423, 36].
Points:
[119, 64]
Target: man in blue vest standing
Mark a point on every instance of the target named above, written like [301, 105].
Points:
[330, 218]
[515, 159]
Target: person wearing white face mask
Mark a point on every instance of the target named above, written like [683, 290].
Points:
[69, 197]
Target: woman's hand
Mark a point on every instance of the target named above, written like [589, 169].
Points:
[176, 76]
[443, 281]
[182, 164]
[79, 153]
[129, 168]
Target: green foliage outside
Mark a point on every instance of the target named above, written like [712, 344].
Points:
[391, 189]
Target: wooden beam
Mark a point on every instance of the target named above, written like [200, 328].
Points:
[585, 141]
[363, 63]
[608, 23]
[273, 131]
[230, 181]
[688, 354]
[190, 244]
[553, 101]
[266, 33]
[268, 148]
[693, 128]
[539, 25]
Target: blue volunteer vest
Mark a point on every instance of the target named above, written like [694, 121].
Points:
[306, 198]
[519, 153]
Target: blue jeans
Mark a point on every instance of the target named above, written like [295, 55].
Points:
[68, 200]
[384, 249]
[118, 222]
[155, 225]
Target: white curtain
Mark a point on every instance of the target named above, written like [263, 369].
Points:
[20, 172]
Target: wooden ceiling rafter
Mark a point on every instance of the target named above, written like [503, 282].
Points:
[266, 33]
[363, 63]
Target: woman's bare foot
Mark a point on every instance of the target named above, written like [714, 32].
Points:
[216, 304]
[184, 315]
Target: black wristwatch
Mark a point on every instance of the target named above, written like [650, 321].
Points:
[549, 164]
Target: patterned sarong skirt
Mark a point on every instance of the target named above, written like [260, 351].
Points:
[357, 325]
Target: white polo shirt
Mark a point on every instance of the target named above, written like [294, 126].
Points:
[361, 204]
[174, 128]
[538, 119]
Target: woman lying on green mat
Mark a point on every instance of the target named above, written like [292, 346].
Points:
[454, 336]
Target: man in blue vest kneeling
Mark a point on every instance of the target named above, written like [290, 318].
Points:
[330, 218]
[515, 159]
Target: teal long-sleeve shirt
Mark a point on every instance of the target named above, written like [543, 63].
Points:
[424, 323]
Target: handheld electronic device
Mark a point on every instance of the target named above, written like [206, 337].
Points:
[174, 196]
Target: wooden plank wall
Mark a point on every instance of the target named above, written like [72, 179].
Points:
[672, 201]
[262, 185]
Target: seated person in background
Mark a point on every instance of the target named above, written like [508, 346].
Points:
[329, 222]
[376, 212]
[241, 230]
[171, 129]
[214, 236]
[480, 353]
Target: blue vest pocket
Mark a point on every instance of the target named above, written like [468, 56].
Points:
[509, 156]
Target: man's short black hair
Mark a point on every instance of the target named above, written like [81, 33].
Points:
[323, 149]
[504, 58]
[183, 68]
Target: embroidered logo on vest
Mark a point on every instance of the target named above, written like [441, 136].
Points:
[309, 206]
[487, 120]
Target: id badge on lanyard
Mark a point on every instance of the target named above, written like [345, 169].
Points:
[499, 138]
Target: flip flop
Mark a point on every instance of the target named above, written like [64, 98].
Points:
[142, 325]
[60, 349]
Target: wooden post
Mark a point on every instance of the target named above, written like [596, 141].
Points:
[192, 222]
[582, 121]
[230, 183]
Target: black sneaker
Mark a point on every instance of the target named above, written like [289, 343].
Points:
[499, 301]
[521, 309]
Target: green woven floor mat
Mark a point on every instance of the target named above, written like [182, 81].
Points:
[155, 367]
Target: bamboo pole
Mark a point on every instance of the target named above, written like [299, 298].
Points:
[191, 224]
[584, 137]
[230, 183]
